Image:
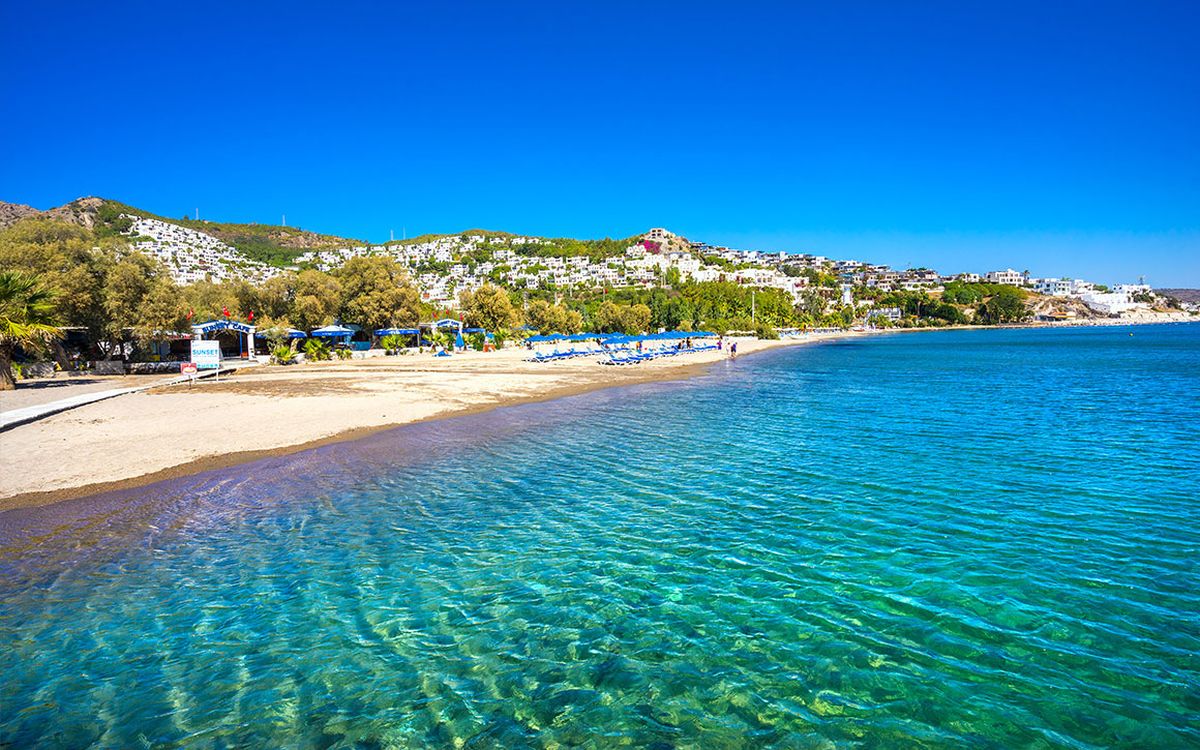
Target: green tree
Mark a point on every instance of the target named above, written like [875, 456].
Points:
[68, 259]
[1007, 305]
[608, 318]
[316, 300]
[489, 307]
[161, 313]
[566, 320]
[27, 319]
[636, 319]
[376, 293]
[537, 315]
[547, 318]
[130, 309]
[275, 296]
[207, 300]
[810, 305]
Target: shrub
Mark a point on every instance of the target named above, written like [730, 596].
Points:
[316, 350]
[764, 331]
[282, 354]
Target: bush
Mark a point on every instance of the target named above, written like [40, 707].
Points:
[316, 350]
[282, 354]
[343, 353]
[764, 331]
[392, 343]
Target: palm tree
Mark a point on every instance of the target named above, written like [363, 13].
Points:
[27, 319]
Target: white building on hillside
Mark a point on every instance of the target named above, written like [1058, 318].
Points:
[658, 234]
[1007, 276]
[1054, 287]
[1111, 303]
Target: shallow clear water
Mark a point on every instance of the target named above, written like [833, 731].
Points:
[959, 539]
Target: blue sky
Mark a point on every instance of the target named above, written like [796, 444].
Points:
[1062, 137]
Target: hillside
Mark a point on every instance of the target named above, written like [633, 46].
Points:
[281, 246]
[262, 243]
[195, 250]
[11, 213]
[1183, 295]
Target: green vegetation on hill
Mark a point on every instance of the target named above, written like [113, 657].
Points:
[545, 247]
[959, 303]
[562, 247]
[718, 306]
[965, 293]
[274, 245]
[266, 243]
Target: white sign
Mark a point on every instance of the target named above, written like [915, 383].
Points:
[206, 354]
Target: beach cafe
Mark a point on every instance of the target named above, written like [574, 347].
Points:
[236, 338]
[412, 335]
[335, 333]
[458, 328]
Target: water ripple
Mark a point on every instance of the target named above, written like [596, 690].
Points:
[974, 539]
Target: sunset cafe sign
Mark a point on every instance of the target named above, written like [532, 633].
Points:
[206, 355]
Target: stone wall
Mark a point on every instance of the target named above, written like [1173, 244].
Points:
[108, 367]
[37, 369]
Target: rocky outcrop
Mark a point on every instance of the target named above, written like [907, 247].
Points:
[11, 213]
[81, 211]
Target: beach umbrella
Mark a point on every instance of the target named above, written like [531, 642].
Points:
[332, 331]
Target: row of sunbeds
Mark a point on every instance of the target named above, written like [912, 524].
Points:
[618, 355]
[632, 357]
[571, 353]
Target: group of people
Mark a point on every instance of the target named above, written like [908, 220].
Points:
[732, 347]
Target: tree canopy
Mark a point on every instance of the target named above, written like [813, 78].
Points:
[376, 293]
[488, 307]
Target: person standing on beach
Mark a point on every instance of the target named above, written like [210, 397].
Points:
[732, 349]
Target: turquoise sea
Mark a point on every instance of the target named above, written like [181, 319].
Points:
[980, 539]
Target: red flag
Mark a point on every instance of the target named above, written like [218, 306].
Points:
[190, 314]
[225, 310]
[251, 316]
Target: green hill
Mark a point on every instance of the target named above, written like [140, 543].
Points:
[266, 243]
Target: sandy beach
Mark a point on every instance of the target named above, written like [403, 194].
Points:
[176, 430]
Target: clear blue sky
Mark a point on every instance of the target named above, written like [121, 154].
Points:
[1062, 137]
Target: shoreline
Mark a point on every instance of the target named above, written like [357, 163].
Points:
[599, 378]
[332, 383]
[237, 458]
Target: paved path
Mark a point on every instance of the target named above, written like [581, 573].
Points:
[14, 417]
